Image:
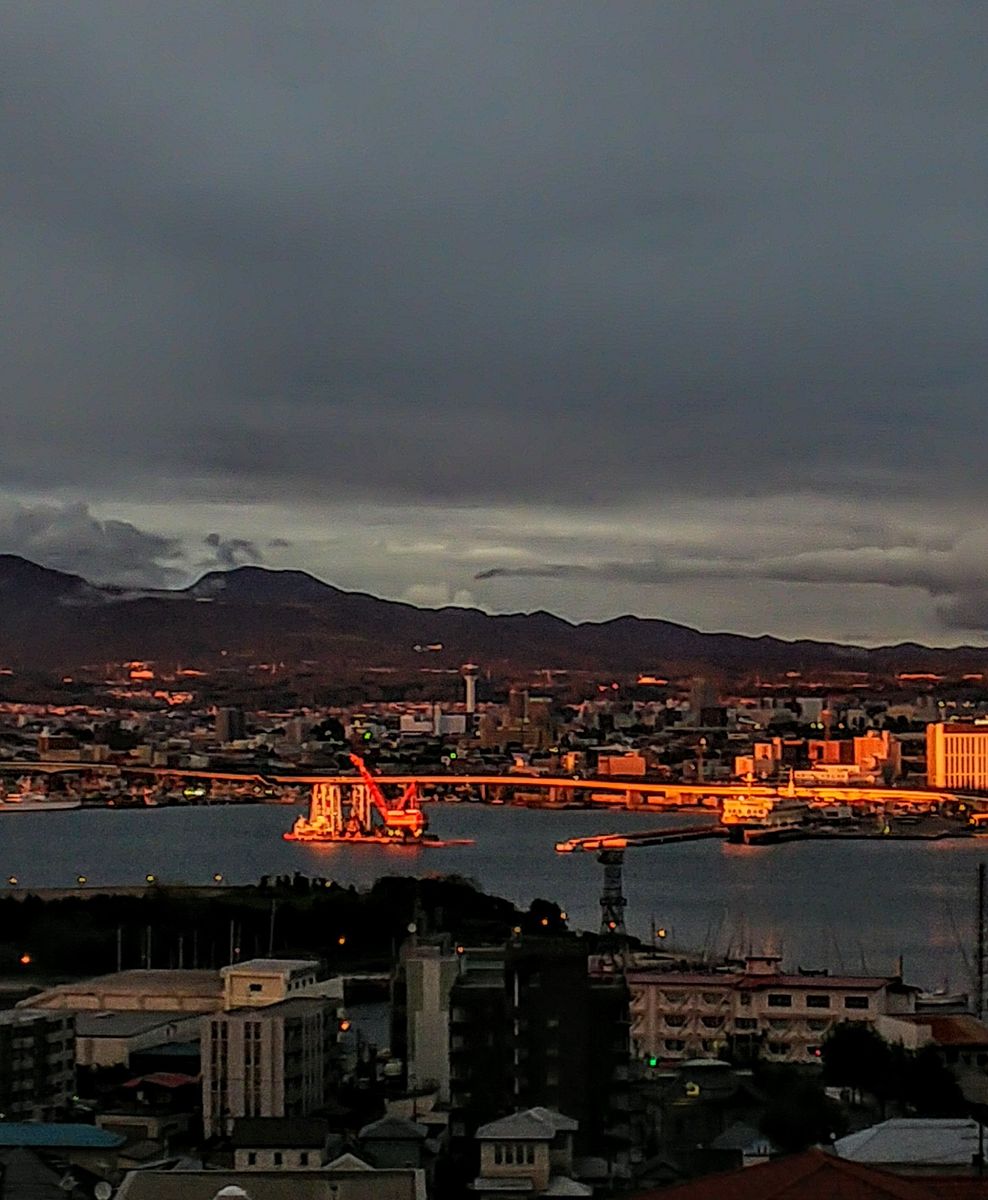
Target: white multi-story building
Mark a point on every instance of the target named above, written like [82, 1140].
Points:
[430, 972]
[683, 1015]
[272, 1051]
[957, 756]
[275, 1061]
[262, 981]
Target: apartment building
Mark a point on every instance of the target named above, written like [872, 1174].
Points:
[529, 1026]
[37, 1064]
[957, 756]
[275, 1061]
[682, 1015]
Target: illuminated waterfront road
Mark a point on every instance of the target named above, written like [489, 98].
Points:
[602, 791]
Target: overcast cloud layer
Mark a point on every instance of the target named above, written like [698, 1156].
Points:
[669, 308]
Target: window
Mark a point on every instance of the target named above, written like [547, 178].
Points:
[745, 1023]
[277, 1158]
[255, 987]
[855, 1001]
[303, 1158]
[779, 1000]
[498, 1153]
[251, 1159]
[817, 1001]
[530, 1153]
[745, 999]
[675, 1044]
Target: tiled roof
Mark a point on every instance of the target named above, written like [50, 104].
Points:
[816, 1175]
[951, 1029]
[393, 1129]
[559, 1121]
[523, 1126]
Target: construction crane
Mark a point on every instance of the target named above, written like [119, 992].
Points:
[360, 812]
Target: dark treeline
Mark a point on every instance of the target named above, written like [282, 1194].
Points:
[287, 915]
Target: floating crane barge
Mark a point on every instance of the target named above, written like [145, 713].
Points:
[360, 812]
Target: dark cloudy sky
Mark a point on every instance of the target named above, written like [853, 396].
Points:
[676, 308]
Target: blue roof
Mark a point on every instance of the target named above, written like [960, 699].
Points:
[43, 1135]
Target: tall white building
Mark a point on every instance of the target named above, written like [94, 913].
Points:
[957, 756]
[272, 1051]
[276, 1061]
[430, 972]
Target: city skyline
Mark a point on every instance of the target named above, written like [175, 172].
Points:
[670, 311]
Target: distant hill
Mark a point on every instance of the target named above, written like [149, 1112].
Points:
[50, 620]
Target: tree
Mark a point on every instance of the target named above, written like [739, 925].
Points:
[802, 1115]
[929, 1088]
[856, 1057]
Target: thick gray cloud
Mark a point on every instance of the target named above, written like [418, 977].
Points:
[578, 258]
[70, 538]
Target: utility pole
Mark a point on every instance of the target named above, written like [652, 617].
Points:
[981, 991]
[274, 908]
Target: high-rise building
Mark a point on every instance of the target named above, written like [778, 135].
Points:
[37, 1064]
[529, 1026]
[230, 725]
[957, 756]
[273, 1051]
[275, 1061]
[429, 973]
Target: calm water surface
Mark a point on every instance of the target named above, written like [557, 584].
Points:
[847, 906]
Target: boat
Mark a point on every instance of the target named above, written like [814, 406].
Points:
[759, 819]
[360, 813]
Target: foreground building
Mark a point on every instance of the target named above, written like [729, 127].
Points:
[37, 1064]
[529, 1026]
[527, 1154]
[816, 1175]
[273, 1050]
[676, 1016]
[350, 1181]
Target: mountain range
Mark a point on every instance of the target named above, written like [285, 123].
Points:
[51, 620]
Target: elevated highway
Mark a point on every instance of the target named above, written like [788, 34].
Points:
[598, 791]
